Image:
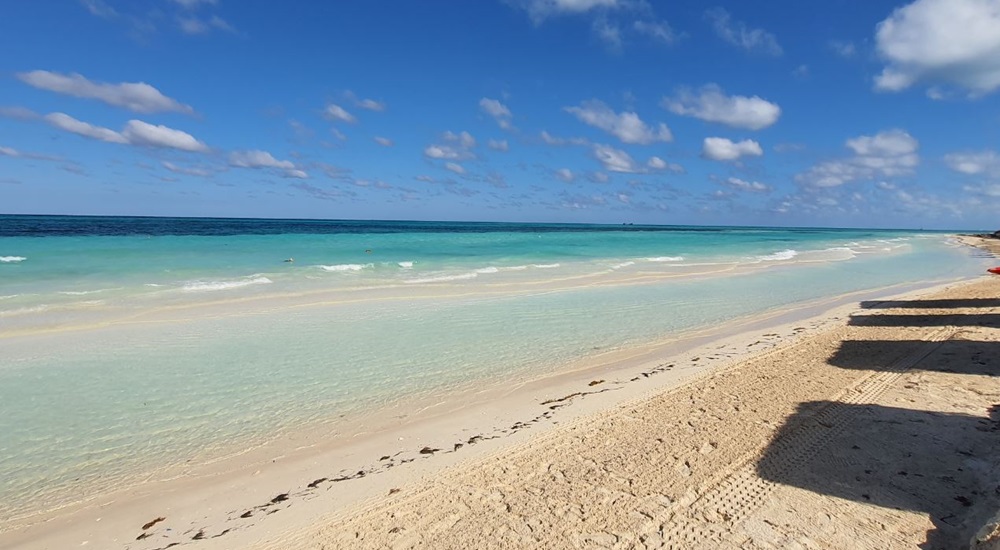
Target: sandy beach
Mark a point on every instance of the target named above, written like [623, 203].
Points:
[859, 423]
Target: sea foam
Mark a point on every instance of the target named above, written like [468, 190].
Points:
[787, 254]
[345, 267]
[666, 259]
[12, 259]
[444, 278]
[200, 286]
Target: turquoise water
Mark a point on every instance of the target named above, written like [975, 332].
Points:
[130, 346]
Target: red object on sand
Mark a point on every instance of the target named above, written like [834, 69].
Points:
[994, 270]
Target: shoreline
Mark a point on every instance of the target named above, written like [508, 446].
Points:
[541, 406]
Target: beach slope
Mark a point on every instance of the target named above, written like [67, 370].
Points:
[880, 432]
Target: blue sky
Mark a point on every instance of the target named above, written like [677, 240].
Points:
[778, 112]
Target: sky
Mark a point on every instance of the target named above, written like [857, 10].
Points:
[842, 113]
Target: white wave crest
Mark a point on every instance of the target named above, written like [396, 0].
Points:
[200, 286]
[405, 265]
[666, 259]
[490, 269]
[621, 265]
[345, 267]
[787, 254]
[544, 266]
[444, 278]
[12, 259]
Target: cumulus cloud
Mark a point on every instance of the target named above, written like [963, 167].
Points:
[136, 132]
[843, 48]
[497, 110]
[337, 113]
[744, 185]
[100, 8]
[455, 147]
[974, 163]
[626, 126]
[657, 30]
[454, 167]
[549, 139]
[539, 10]
[739, 34]
[888, 154]
[201, 172]
[193, 4]
[134, 96]
[72, 125]
[141, 133]
[565, 174]
[711, 104]
[717, 148]
[15, 153]
[656, 163]
[941, 41]
[498, 145]
[196, 25]
[371, 105]
[257, 159]
[615, 160]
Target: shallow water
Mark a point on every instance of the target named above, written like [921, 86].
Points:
[130, 346]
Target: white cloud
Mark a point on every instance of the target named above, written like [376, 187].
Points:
[70, 124]
[336, 112]
[716, 148]
[609, 33]
[565, 174]
[549, 139]
[371, 105]
[744, 185]
[257, 159]
[185, 170]
[711, 104]
[141, 133]
[442, 152]
[539, 10]
[454, 167]
[196, 25]
[99, 8]
[193, 4]
[498, 145]
[134, 96]
[383, 141]
[626, 126]
[947, 41]
[976, 163]
[615, 160]
[891, 143]
[738, 34]
[456, 146]
[497, 110]
[843, 48]
[463, 139]
[18, 113]
[888, 154]
[659, 31]
[136, 132]
[14, 153]
[656, 163]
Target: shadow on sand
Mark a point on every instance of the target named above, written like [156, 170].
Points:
[931, 304]
[945, 465]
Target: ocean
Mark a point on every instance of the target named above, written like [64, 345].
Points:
[131, 347]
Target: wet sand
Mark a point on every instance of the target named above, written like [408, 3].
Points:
[873, 425]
